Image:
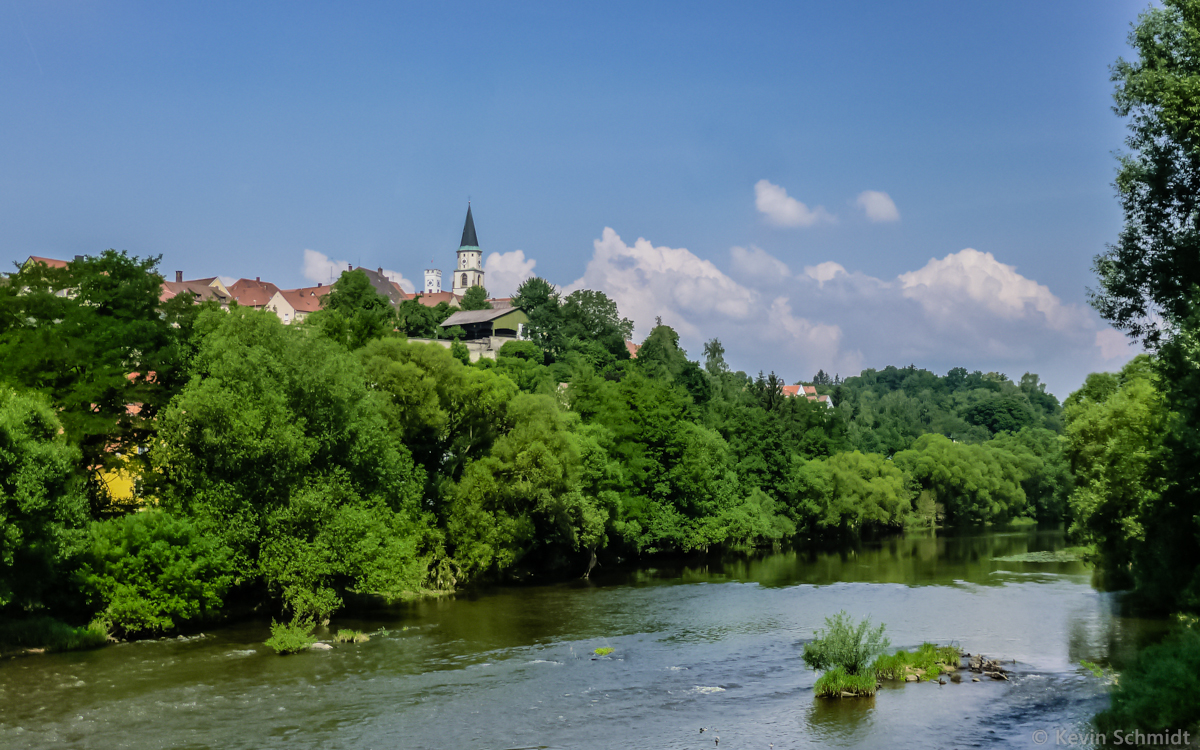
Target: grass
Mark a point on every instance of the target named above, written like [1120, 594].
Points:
[50, 635]
[837, 684]
[291, 638]
[604, 651]
[930, 659]
[351, 636]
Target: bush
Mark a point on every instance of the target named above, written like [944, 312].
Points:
[43, 509]
[351, 636]
[1158, 693]
[50, 634]
[291, 638]
[845, 645]
[837, 684]
[150, 572]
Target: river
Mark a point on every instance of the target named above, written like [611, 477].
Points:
[713, 643]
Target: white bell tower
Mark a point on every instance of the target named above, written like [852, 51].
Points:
[433, 281]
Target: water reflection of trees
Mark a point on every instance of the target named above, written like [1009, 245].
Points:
[922, 558]
[835, 721]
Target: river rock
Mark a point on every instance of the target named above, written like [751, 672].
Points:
[318, 646]
[911, 678]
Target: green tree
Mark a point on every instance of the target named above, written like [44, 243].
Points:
[975, 483]
[417, 320]
[94, 338]
[524, 505]
[1149, 287]
[275, 439]
[1048, 481]
[590, 320]
[43, 511]
[539, 300]
[1150, 274]
[353, 312]
[476, 298]
[1115, 445]
[848, 492]
[446, 413]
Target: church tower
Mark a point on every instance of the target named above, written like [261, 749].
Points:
[469, 270]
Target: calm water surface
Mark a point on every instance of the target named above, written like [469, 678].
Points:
[715, 644]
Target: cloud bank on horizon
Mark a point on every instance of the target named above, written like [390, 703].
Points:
[966, 309]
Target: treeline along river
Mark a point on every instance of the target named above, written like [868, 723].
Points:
[712, 642]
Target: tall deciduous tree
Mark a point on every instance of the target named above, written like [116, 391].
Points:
[353, 312]
[277, 446]
[539, 300]
[476, 298]
[1150, 278]
[94, 339]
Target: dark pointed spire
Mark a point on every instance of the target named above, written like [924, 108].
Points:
[469, 239]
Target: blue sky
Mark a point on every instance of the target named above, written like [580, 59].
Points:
[231, 138]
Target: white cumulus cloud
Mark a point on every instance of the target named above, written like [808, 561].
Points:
[968, 280]
[320, 268]
[700, 301]
[823, 272]
[755, 261]
[504, 272]
[1114, 344]
[878, 206]
[783, 210]
[398, 277]
[966, 309]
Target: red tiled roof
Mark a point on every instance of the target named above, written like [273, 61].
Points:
[252, 292]
[305, 300]
[52, 262]
[433, 300]
[809, 392]
[632, 348]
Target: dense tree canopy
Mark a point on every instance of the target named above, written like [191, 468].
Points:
[300, 464]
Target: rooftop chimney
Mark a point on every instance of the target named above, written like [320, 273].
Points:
[381, 270]
[78, 258]
[178, 277]
[318, 285]
[257, 278]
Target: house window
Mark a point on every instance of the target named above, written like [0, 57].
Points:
[464, 279]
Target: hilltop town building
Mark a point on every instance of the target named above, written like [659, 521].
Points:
[433, 281]
[470, 259]
[807, 391]
[500, 322]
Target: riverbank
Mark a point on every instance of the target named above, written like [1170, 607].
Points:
[702, 643]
